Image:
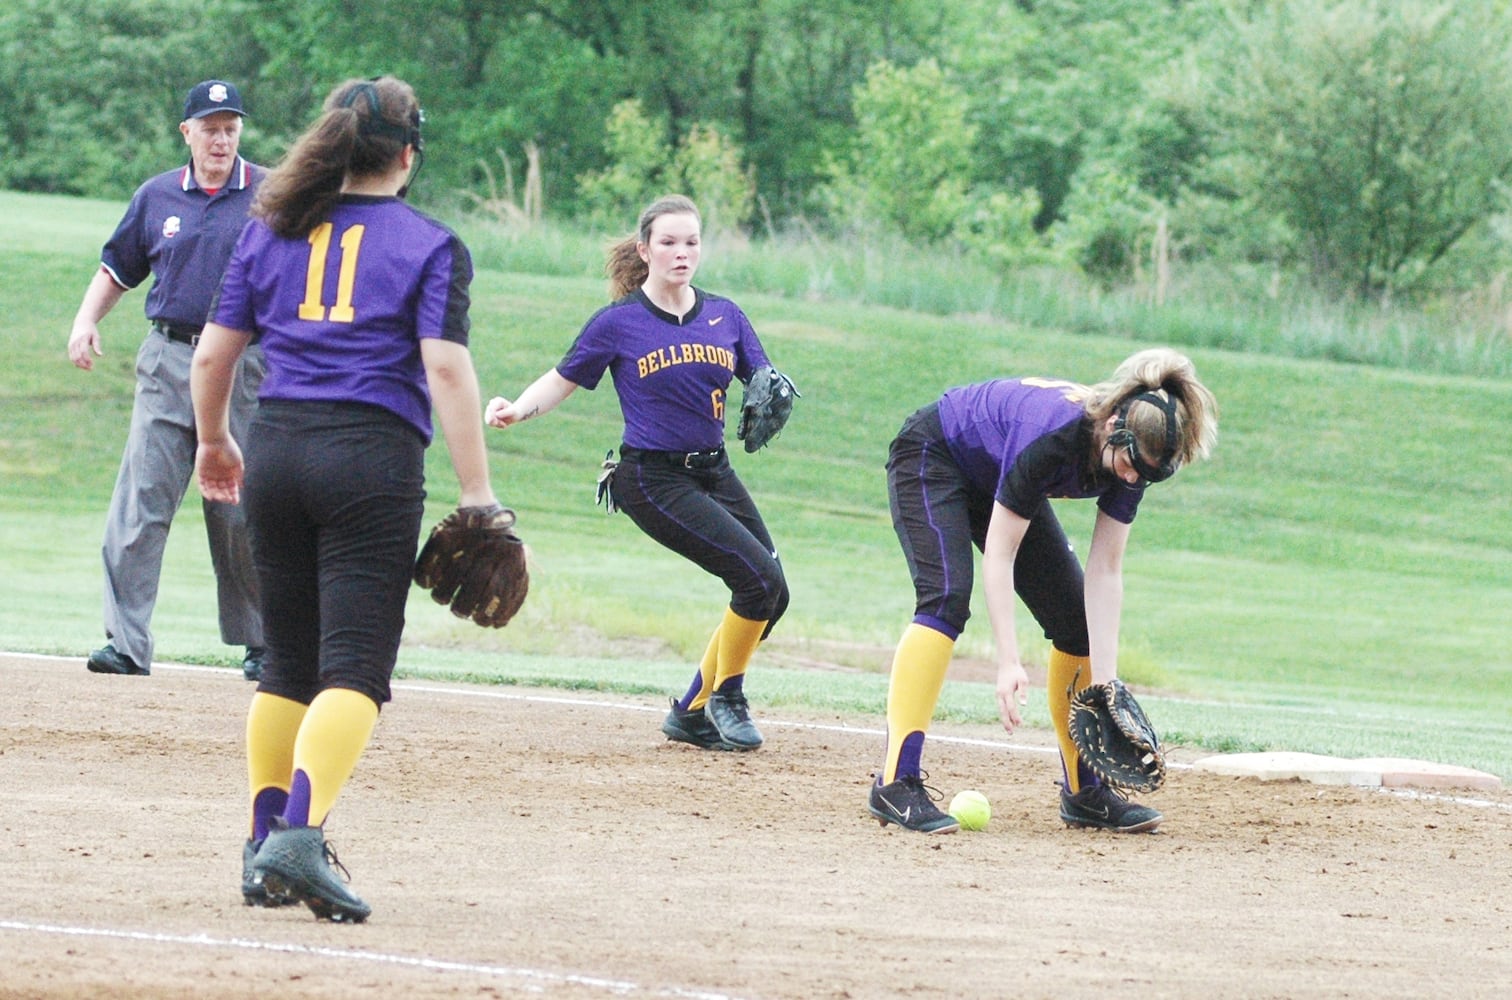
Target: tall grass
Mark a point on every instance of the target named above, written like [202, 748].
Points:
[1236, 308]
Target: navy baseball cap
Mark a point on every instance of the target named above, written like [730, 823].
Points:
[211, 96]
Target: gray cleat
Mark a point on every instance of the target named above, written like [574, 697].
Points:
[731, 715]
[254, 893]
[298, 862]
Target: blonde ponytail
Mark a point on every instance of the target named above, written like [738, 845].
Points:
[1167, 374]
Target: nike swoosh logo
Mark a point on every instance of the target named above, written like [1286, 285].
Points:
[903, 816]
[716, 320]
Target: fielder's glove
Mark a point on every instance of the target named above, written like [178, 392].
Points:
[765, 407]
[475, 562]
[1115, 739]
[604, 496]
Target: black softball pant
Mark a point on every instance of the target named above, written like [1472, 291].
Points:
[939, 517]
[707, 516]
[335, 494]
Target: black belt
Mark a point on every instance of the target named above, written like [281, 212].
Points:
[682, 459]
[182, 334]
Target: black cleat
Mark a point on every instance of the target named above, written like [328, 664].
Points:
[731, 716]
[910, 803]
[254, 893]
[1105, 808]
[107, 661]
[296, 861]
[252, 664]
[692, 726]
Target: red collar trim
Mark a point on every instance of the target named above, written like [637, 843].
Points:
[241, 176]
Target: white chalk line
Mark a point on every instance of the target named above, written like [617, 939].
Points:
[464, 690]
[538, 980]
[765, 721]
[530, 979]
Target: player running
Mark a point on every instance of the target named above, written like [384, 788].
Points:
[672, 350]
[979, 467]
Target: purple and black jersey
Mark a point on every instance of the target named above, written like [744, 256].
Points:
[182, 235]
[1022, 441]
[671, 376]
[340, 314]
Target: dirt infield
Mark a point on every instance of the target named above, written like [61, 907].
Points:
[516, 841]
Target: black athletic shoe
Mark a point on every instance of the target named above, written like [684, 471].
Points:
[254, 893]
[297, 861]
[252, 664]
[107, 661]
[692, 726]
[910, 803]
[731, 716]
[1105, 808]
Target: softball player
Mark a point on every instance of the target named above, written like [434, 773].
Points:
[672, 350]
[979, 467]
[361, 306]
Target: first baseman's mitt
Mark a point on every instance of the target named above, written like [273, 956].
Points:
[1115, 739]
[475, 562]
[765, 407]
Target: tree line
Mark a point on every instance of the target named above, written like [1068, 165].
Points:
[1363, 143]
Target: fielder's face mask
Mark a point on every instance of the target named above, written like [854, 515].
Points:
[375, 124]
[1122, 437]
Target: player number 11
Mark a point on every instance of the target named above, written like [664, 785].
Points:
[313, 306]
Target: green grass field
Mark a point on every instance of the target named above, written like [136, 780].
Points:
[1337, 579]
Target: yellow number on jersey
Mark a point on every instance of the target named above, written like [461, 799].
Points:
[1074, 392]
[313, 306]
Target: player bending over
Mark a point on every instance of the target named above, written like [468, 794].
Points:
[978, 467]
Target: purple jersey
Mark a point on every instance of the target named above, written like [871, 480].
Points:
[340, 314]
[671, 376]
[182, 236]
[1022, 441]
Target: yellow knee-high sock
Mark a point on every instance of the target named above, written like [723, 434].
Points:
[335, 732]
[703, 682]
[1067, 675]
[913, 688]
[738, 639]
[272, 725]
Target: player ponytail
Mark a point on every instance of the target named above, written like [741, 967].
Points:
[359, 134]
[1168, 383]
[624, 266]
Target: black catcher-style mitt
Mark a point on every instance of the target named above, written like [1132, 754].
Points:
[475, 562]
[765, 407]
[1115, 739]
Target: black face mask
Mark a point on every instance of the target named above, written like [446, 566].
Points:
[376, 124]
[1124, 438]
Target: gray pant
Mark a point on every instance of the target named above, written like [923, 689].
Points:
[156, 468]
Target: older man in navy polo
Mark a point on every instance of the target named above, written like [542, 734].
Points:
[179, 229]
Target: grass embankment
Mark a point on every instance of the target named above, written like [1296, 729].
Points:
[1336, 579]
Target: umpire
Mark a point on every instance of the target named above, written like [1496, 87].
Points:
[180, 228]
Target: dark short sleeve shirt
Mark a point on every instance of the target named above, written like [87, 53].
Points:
[341, 314]
[672, 376]
[1023, 441]
[181, 236]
